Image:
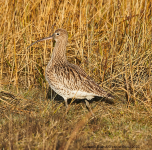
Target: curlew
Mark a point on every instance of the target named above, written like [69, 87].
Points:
[66, 79]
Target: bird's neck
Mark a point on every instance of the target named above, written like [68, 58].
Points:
[59, 53]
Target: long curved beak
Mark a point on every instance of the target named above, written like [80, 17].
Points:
[47, 38]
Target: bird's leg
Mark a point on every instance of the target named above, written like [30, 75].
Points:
[66, 104]
[88, 106]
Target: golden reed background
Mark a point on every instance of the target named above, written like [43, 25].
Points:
[110, 39]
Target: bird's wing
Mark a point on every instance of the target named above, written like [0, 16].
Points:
[76, 79]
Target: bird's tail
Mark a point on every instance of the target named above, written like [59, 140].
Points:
[110, 96]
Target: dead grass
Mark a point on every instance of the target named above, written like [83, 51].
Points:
[111, 40]
[36, 123]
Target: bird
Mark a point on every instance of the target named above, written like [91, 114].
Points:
[69, 80]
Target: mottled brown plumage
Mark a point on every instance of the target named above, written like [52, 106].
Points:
[66, 79]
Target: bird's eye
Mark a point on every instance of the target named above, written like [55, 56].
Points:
[57, 34]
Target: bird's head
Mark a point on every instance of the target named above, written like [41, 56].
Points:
[58, 35]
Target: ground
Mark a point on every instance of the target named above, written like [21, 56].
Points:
[30, 121]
